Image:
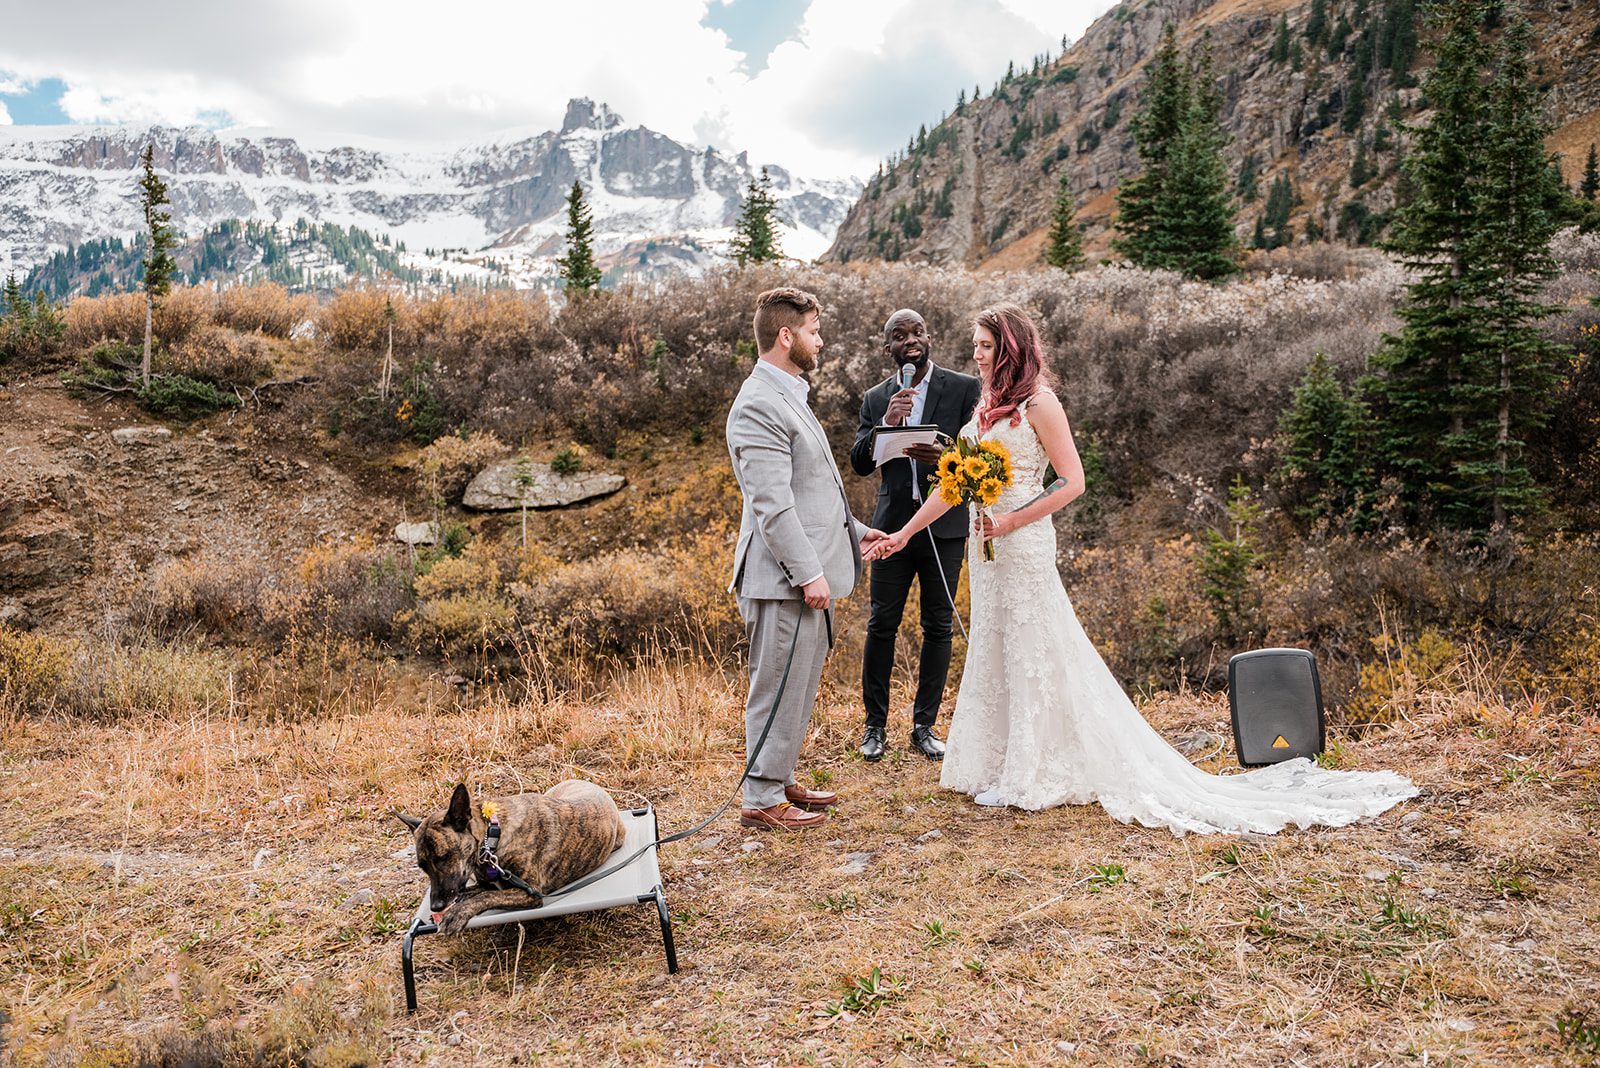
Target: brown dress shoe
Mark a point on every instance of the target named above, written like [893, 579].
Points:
[782, 817]
[810, 800]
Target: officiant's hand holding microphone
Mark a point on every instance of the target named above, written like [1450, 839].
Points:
[900, 408]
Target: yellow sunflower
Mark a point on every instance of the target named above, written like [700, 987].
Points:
[974, 467]
[948, 463]
[989, 491]
[949, 493]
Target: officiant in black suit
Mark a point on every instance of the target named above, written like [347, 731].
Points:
[946, 399]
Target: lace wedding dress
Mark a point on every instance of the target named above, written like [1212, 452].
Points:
[1040, 720]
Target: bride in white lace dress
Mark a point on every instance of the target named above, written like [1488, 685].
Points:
[1040, 720]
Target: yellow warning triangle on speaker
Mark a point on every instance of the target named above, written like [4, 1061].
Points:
[1279, 743]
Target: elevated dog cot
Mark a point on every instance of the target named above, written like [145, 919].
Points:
[639, 883]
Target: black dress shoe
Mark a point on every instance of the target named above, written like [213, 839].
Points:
[924, 742]
[873, 744]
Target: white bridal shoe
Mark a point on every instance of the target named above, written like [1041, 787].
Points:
[990, 799]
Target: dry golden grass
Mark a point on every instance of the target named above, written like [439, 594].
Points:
[177, 885]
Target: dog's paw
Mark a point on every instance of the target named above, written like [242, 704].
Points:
[455, 919]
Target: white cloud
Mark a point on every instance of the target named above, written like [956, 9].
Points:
[5, 116]
[860, 77]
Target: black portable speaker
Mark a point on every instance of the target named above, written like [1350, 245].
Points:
[1276, 701]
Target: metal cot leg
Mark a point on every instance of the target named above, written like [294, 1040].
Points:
[418, 927]
[666, 932]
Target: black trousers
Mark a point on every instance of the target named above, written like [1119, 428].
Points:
[891, 587]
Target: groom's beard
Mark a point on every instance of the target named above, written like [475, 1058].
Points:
[802, 357]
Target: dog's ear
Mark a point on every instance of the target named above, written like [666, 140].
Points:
[460, 814]
[410, 821]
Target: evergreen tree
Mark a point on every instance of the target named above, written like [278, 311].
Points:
[1280, 41]
[1272, 228]
[756, 234]
[1512, 246]
[1163, 104]
[1467, 376]
[160, 239]
[579, 273]
[1360, 172]
[1317, 23]
[16, 306]
[1589, 188]
[1425, 374]
[1177, 213]
[1244, 187]
[1064, 247]
[1325, 470]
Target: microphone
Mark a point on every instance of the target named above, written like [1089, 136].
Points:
[907, 373]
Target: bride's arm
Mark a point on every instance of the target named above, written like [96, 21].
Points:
[889, 544]
[1049, 421]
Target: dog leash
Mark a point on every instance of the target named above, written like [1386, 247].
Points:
[677, 836]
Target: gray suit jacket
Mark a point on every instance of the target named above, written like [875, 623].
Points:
[796, 522]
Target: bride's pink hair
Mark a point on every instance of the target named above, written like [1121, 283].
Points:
[1018, 371]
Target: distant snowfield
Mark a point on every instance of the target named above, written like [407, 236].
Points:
[658, 206]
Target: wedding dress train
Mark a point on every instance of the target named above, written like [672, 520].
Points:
[1041, 721]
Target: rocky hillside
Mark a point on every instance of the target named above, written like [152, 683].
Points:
[1315, 95]
[492, 213]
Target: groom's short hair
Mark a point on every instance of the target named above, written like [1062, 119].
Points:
[778, 308]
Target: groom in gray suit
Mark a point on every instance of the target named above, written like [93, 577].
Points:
[799, 550]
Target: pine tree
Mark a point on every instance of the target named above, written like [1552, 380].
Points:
[159, 265]
[1317, 23]
[1275, 218]
[756, 234]
[16, 306]
[1192, 224]
[579, 273]
[1427, 373]
[1512, 246]
[1280, 41]
[1589, 188]
[1064, 247]
[1325, 470]
[1165, 109]
[1360, 172]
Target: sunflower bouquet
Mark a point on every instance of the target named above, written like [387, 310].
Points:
[974, 472]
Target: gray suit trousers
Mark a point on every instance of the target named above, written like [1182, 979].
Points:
[771, 626]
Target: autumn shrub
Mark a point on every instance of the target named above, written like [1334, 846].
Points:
[1400, 672]
[350, 589]
[462, 605]
[445, 467]
[113, 680]
[184, 310]
[210, 592]
[109, 317]
[35, 671]
[619, 605]
[263, 308]
[357, 319]
[220, 356]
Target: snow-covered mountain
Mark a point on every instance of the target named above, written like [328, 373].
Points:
[495, 210]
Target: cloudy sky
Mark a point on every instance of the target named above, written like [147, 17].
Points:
[824, 87]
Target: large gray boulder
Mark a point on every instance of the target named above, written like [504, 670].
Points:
[495, 489]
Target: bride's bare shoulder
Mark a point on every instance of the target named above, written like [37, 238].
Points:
[1044, 400]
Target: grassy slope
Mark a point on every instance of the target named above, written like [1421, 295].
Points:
[173, 875]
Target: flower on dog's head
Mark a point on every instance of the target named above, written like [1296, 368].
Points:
[490, 810]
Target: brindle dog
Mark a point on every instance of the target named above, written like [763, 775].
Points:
[547, 840]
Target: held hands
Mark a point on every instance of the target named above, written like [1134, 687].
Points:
[883, 546]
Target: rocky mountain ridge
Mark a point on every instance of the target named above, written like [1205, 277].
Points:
[490, 212]
[1320, 107]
